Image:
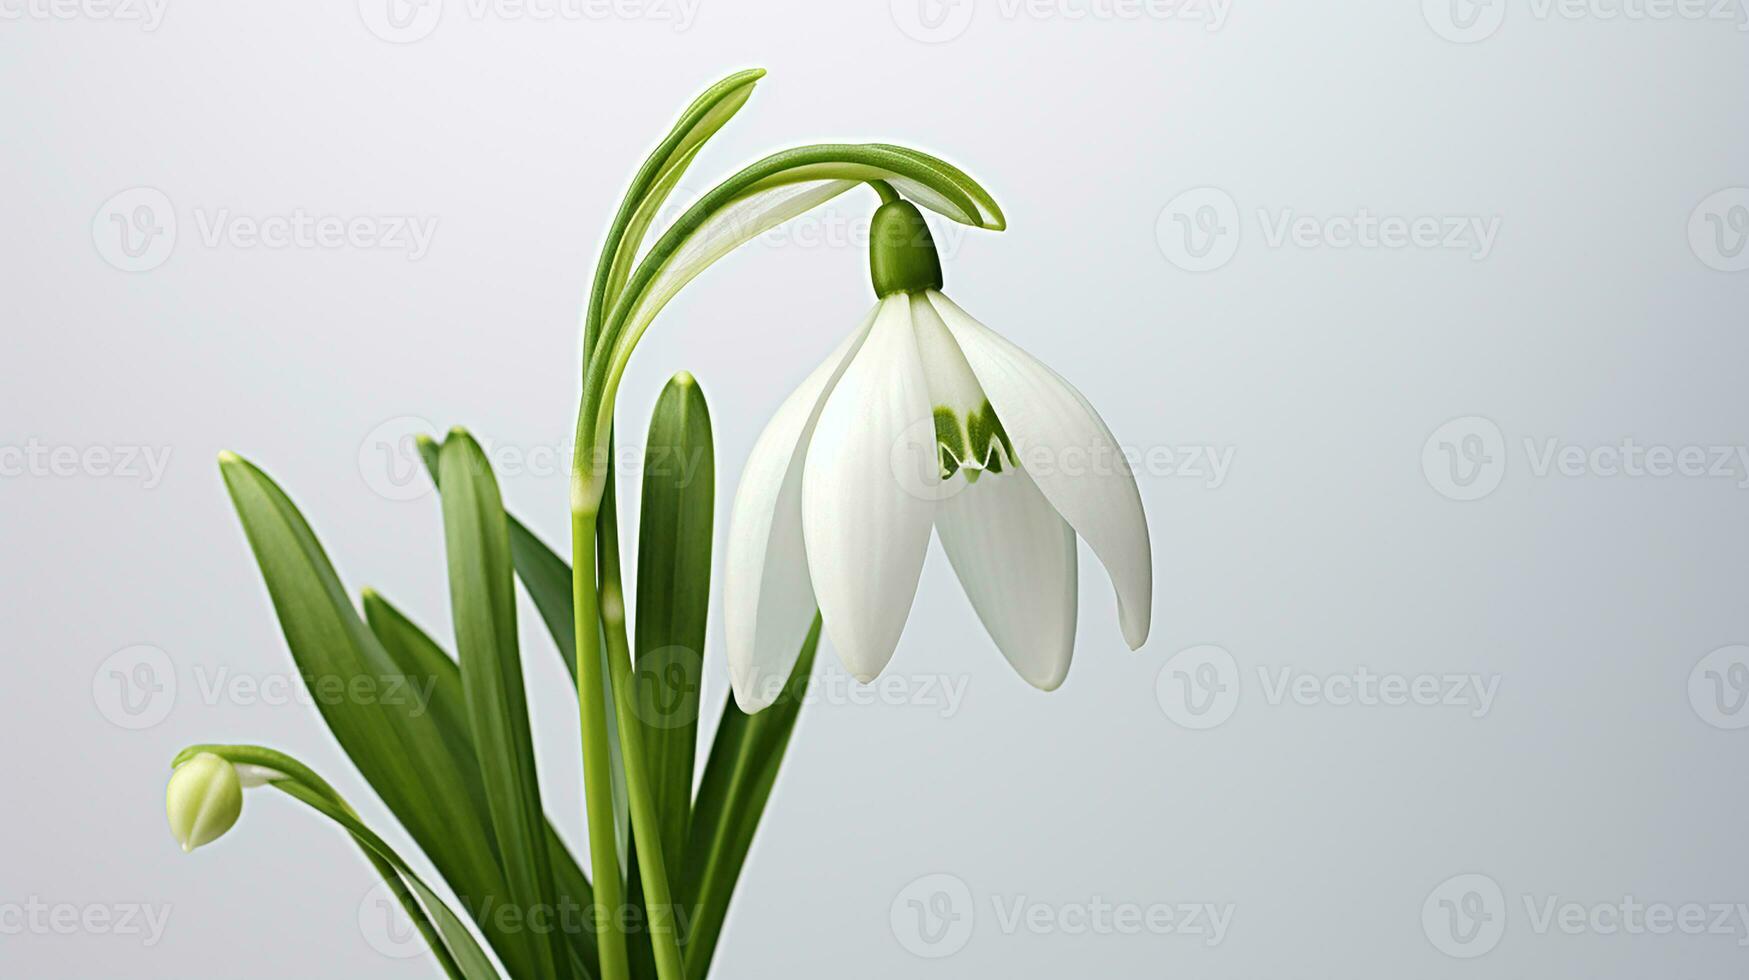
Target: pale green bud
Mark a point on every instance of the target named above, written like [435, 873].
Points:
[204, 799]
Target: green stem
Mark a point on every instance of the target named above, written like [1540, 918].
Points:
[597, 758]
[646, 826]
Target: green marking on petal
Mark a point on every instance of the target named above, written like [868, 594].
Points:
[982, 428]
[950, 441]
[978, 445]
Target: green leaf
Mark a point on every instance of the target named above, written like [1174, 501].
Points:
[657, 179]
[483, 604]
[547, 577]
[364, 698]
[455, 948]
[737, 782]
[420, 656]
[673, 597]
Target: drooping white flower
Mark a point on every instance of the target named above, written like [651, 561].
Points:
[924, 418]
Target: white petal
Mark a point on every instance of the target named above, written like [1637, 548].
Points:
[1015, 556]
[768, 598]
[1071, 455]
[866, 532]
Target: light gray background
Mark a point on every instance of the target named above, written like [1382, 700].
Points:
[1602, 769]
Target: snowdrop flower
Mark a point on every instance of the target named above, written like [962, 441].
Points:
[924, 418]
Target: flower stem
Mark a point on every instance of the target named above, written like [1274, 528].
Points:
[662, 920]
[597, 753]
[646, 825]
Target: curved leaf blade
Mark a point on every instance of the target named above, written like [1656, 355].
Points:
[392, 740]
[673, 597]
[737, 783]
[457, 951]
[414, 649]
[483, 605]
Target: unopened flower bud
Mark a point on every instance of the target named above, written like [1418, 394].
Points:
[204, 799]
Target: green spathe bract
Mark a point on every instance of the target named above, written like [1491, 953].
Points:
[446, 742]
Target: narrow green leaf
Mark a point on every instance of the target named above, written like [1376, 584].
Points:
[483, 604]
[737, 782]
[657, 179]
[457, 952]
[367, 700]
[420, 656]
[547, 577]
[673, 597]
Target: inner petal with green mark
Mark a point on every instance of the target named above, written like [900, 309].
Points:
[968, 436]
